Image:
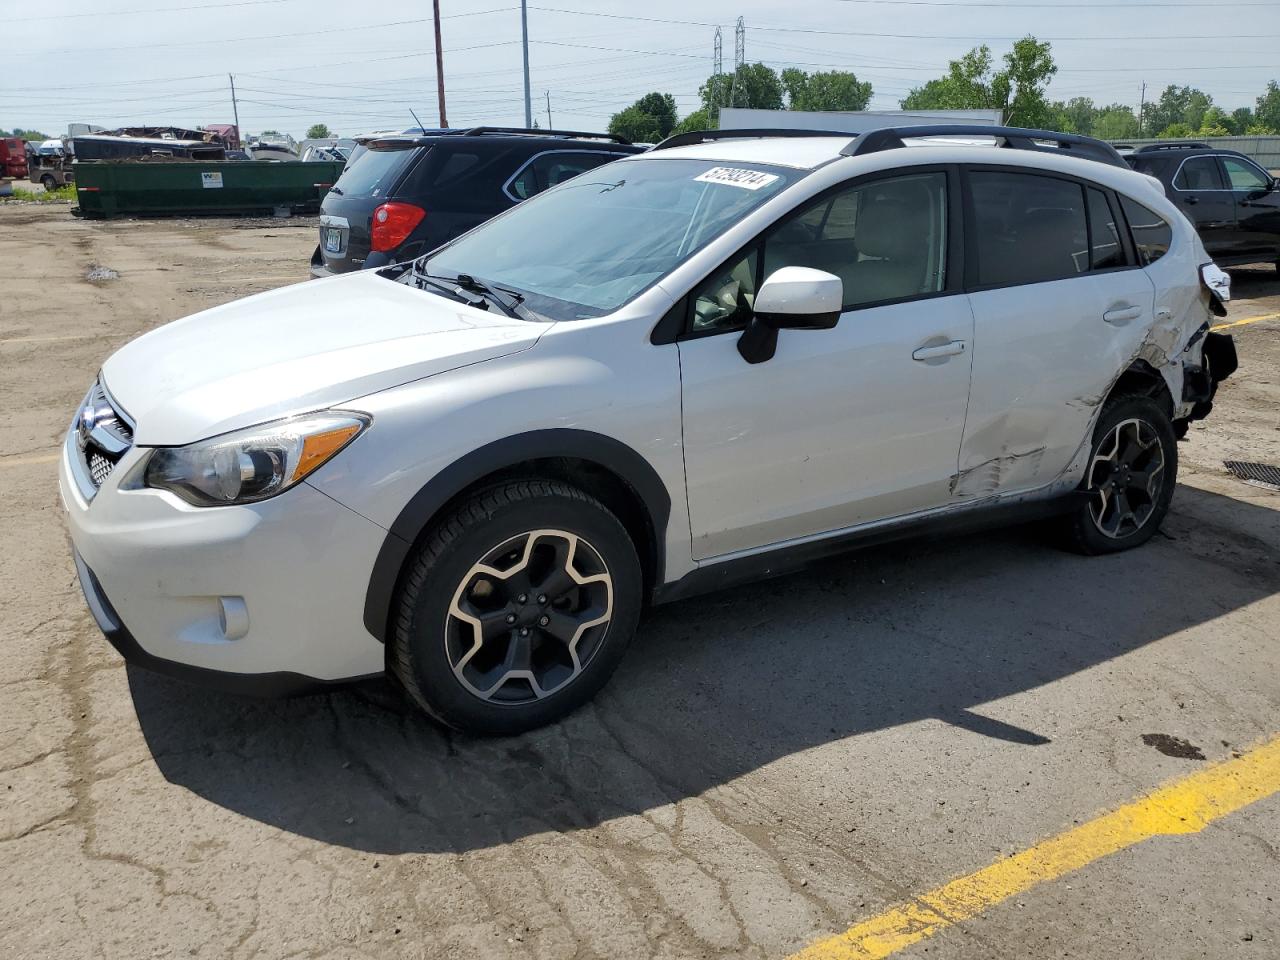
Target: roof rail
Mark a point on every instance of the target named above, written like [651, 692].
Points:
[539, 132]
[710, 136]
[1176, 145]
[1014, 138]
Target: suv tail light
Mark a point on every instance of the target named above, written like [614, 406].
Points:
[392, 224]
[1217, 283]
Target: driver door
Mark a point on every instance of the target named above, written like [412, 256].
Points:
[844, 426]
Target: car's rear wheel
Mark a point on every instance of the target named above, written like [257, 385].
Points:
[48, 183]
[516, 608]
[1130, 477]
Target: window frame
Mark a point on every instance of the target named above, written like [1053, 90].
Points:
[972, 285]
[1246, 162]
[955, 252]
[533, 158]
[1133, 243]
[1215, 160]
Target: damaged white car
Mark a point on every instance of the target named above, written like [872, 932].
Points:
[716, 361]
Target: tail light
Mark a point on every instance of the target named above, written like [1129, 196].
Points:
[1217, 283]
[392, 224]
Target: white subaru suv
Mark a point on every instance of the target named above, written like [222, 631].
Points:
[715, 361]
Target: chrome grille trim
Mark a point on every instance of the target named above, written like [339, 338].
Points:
[102, 434]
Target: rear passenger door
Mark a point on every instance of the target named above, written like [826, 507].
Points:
[1200, 193]
[1059, 306]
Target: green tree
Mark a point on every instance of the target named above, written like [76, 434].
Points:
[698, 120]
[636, 125]
[1176, 131]
[751, 85]
[318, 131]
[972, 83]
[1115, 122]
[1214, 123]
[1185, 105]
[1241, 120]
[1267, 110]
[648, 120]
[1077, 115]
[824, 90]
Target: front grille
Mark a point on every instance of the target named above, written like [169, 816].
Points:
[104, 434]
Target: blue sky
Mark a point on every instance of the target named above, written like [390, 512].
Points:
[300, 61]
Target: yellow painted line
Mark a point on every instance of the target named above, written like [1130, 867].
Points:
[1182, 807]
[1248, 320]
[27, 461]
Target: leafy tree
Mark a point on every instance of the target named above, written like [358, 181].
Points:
[1176, 131]
[1115, 122]
[1214, 123]
[1267, 110]
[1240, 120]
[1178, 105]
[29, 135]
[636, 125]
[824, 90]
[972, 83]
[648, 120]
[751, 85]
[698, 120]
[1077, 115]
[318, 131]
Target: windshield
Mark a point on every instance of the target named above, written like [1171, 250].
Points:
[372, 173]
[585, 248]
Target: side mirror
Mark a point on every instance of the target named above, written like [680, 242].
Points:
[792, 298]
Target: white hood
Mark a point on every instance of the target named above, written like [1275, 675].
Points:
[296, 349]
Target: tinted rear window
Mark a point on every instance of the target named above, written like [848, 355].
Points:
[1151, 235]
[374, 172]
[1030, 228]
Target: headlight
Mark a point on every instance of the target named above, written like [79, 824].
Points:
[252, 464]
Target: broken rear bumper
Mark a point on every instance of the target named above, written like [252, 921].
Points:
[1200, 382]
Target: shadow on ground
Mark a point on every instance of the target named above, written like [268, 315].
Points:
[718, 686]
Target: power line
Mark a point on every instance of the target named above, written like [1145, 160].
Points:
[126, 13]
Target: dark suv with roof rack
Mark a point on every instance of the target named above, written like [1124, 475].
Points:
[1233, 202]
[405, 194]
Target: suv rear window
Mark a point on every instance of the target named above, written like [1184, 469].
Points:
[1030, 228]
[1151, 235]
[374, 172]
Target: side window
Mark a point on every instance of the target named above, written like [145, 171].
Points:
[1105, 249]
[725, 299]
[1244, 176]
[1151, 235]
[1029, 228]
[886, 240]
[547, 170]
[1199, 173]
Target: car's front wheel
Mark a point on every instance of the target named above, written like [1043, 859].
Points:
[1132, 469]
[516, 608]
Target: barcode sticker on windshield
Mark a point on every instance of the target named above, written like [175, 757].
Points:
[737, 177]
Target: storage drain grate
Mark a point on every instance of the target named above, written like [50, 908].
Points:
[1259, 474]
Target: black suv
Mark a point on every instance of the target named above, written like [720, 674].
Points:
[403, 195]
[1233, 202]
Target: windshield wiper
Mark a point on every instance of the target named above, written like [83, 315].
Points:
[508, 301]
[450, 288]
[334, 189]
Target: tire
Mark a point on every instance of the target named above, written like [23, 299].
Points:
[48, 183]
[1131, 474]
[516, 608]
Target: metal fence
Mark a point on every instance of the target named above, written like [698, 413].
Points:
[1265, 150]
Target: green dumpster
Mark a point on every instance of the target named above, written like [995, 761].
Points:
[108, 188]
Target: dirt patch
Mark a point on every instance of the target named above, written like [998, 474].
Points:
[1173, 746]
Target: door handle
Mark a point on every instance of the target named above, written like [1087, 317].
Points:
[1122, 314]
[1191, 200]
[939, 352]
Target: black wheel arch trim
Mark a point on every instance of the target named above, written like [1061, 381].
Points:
[564, 443]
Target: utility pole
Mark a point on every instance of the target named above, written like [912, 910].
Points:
[1142, 108]
[739, 57]
[235, 112]
[717, 67]
[524, 33]
[444, 120]
[548, 109]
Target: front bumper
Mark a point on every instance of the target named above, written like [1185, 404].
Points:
[265, 598]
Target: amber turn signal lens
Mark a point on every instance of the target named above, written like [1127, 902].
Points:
[318, 448]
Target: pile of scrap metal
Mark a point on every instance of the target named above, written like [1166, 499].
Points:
[144, 143]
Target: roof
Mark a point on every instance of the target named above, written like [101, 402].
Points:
[801, 153]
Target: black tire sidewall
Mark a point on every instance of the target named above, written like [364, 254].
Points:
[1087, 535]
[446, 698]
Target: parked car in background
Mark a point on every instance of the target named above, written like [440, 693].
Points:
[404, 194]
[1233, 202]
[693, 367]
